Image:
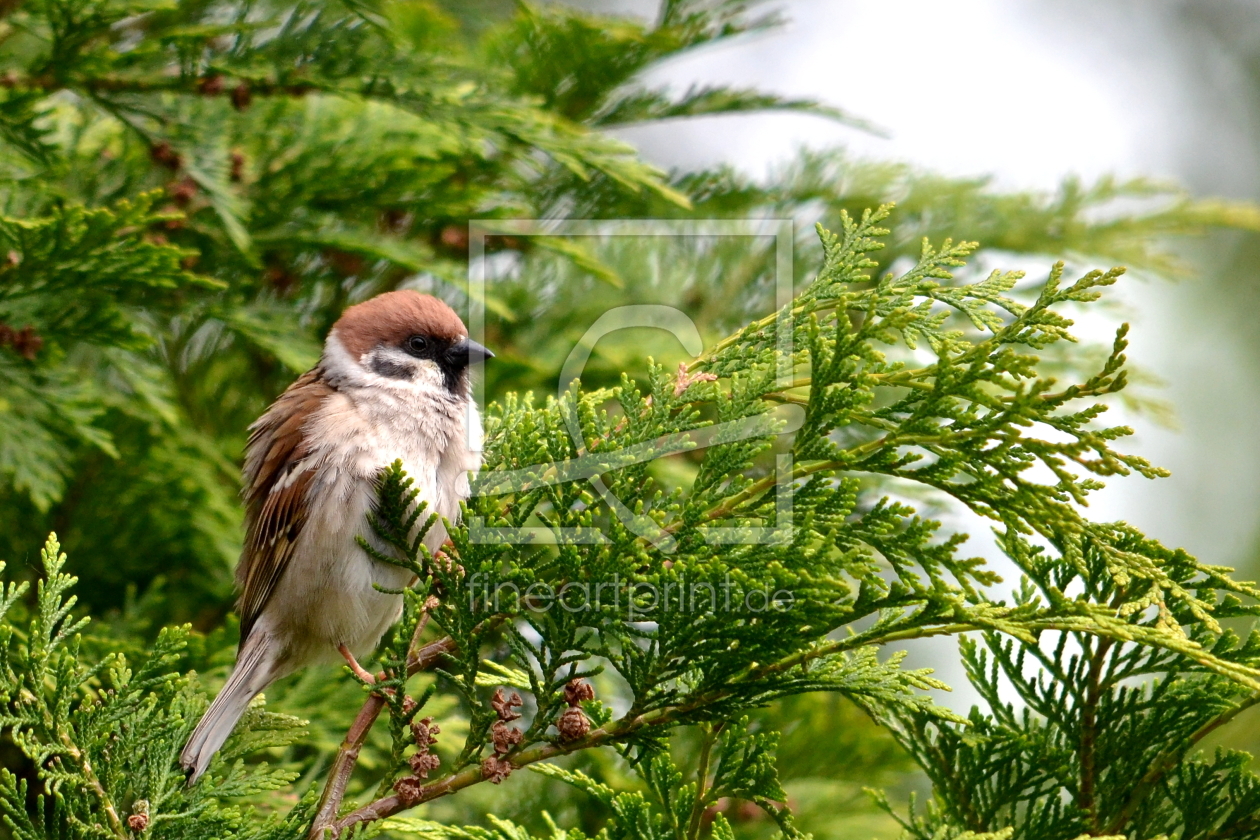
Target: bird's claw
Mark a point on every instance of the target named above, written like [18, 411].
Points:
[359, 670]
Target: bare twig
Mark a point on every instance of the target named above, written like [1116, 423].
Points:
[342, 767]
[413, 649]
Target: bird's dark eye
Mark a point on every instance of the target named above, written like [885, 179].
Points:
[417, 345]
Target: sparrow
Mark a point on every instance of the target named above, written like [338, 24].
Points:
[391, 384]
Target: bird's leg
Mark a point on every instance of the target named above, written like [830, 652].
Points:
[358, 669]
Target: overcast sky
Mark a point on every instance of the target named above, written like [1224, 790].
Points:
[1026, 90]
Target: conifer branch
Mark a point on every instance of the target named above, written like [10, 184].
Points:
[630, 726]
[1089, 734]
[387, 806]
[139, 331]
[709, 738]
[1167, 761]
[94, 784]
[343, 763]
[422, 659]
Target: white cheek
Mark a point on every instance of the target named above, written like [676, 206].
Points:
[428, 373]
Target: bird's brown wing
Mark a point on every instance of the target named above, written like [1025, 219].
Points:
[276, 482]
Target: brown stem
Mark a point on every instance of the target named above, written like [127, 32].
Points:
[702, 781]
[342, 767]
[413, 649]
[389, 805]
[1168, 759]
[1089, 733]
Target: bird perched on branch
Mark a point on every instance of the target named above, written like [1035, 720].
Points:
[392, 384]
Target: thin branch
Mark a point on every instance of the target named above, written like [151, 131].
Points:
[852, 456]
[1168, 759]
[50, 83]
[1242, 828]
[389, 805]
[343, 764]
[417, 659]
[1096, 625]
[1089, 733]
[102, 796]
[702, 781]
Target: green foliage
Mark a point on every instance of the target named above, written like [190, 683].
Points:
[1113, 642]
[192, 192]
[101, 734]
[1105, 740]
[264, 165]
[80, 275]
[300, 157]
[964, 425]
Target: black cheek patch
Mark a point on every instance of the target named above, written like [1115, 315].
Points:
[383, 366]
[455, 377]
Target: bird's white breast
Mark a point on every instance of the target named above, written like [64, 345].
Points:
[328, 593]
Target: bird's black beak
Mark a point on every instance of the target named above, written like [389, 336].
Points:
[468, 352]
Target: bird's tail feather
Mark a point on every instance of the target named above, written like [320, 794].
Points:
[255, 670]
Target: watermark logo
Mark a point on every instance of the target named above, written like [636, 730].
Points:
[590, 466]
[636, 600]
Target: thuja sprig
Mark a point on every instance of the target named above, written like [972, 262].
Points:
[700, 632]
[101, 732]
[396, 522]
[960, 425]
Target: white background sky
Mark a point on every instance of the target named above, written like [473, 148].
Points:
[1026, 90]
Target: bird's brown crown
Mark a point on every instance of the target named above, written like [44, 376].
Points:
[392, 317]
